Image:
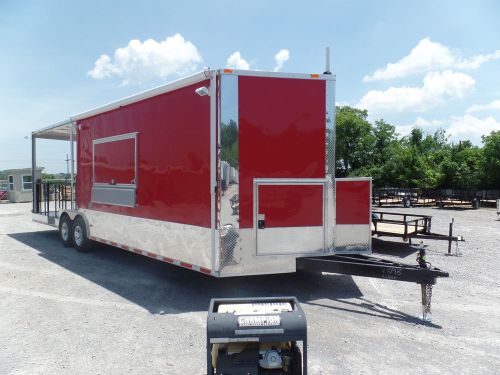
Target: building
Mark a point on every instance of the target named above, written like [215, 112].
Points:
[19, 184]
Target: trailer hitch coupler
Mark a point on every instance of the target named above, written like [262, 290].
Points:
[421, 258]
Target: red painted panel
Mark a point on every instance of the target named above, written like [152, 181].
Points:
[353, 202]
[291, 205]
[281, 133]
[173, 155]
[114, 162]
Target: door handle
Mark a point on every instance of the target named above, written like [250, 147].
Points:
[261, 222]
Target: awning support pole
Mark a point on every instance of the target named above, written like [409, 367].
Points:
[33, 175]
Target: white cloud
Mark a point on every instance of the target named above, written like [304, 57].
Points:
[235, 61]
[465, 127]
[421, 123]
[494, 105]
[437, 87]
[281, 57]
[428, 56]
[143, 61]
[472, 127]
[404, 130]
[341, 103]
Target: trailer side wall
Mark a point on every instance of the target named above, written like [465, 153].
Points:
[144, 176]
[173, 156]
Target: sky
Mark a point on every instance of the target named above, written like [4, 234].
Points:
[412, 63]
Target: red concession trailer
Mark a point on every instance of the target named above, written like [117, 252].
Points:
[225, 172]
[153, 174]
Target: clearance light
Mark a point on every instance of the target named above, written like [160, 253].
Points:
[202, 91]
[228, 70]
[314, 75]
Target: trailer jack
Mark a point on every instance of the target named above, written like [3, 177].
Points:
[426, 302]
[367, 266]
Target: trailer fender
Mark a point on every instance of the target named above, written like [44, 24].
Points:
[66, 214]
[71, 213]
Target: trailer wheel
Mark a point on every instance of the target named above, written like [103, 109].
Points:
[81, 241]
[407, 202]
[66, 231]
[475, 203]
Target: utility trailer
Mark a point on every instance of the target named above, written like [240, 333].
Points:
[466, 197]
[408, 227]
[458, 197]
[150, 172]
[408, 197]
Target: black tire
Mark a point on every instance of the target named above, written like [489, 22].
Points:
[81, 240]
[475, 203]
[66, 231]
[407, 202]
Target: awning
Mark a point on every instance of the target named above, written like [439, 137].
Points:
[59, 131]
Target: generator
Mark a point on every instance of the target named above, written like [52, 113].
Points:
[256, 336]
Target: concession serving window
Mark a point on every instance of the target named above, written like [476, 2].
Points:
[114, 169]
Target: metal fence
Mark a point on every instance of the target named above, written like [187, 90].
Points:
[51, 197]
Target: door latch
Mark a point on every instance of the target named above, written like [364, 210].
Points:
[261, 222]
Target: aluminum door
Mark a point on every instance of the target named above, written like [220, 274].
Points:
[290, 216]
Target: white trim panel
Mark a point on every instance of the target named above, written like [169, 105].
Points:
[244, 262]
[253, 73]
[353, 239]
[295, 241]
[188, 243]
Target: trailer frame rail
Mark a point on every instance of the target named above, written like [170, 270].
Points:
[368, 266]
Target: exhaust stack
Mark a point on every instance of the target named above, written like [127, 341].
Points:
[327, 62]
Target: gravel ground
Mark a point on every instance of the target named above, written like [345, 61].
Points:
[115, 312]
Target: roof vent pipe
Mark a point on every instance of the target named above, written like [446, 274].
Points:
[327, 71]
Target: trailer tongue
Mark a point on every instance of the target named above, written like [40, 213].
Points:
[363, 265]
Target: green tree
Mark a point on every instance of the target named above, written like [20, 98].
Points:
[420, 159]
[354, 140]
[491, 161]
[385, 136]
[47, 176]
